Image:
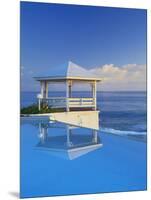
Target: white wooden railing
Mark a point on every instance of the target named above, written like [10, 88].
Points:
[62, 102]
[81, 102]
[55, 102]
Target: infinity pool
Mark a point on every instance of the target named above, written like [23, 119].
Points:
[58, 159]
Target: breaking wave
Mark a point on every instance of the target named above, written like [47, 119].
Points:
[120, 132]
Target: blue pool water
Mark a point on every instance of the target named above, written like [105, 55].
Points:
[57, 159]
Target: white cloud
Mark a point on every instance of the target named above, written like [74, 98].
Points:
[127, 77]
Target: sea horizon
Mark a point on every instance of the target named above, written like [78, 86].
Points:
[89, 91]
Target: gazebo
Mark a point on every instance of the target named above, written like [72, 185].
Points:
[69, 74]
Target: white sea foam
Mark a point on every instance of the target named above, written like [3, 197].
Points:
[120, 132]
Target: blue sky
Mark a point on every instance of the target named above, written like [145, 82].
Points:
[52, 34]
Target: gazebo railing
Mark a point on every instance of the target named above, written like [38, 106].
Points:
[54, 102]
[81, 102]
[62, 102]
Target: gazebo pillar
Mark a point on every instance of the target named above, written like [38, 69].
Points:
[67, 95]
[43, 93]
[44, 89]
[70, 89]
[94, 93]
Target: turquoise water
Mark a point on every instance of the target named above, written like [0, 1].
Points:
[57, 159]
[61, 160]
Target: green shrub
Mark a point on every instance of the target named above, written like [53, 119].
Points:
[33, 109]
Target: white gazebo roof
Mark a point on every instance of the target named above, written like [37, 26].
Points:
[70, 71]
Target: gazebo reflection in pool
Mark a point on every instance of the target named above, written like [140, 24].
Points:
[67, 141]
